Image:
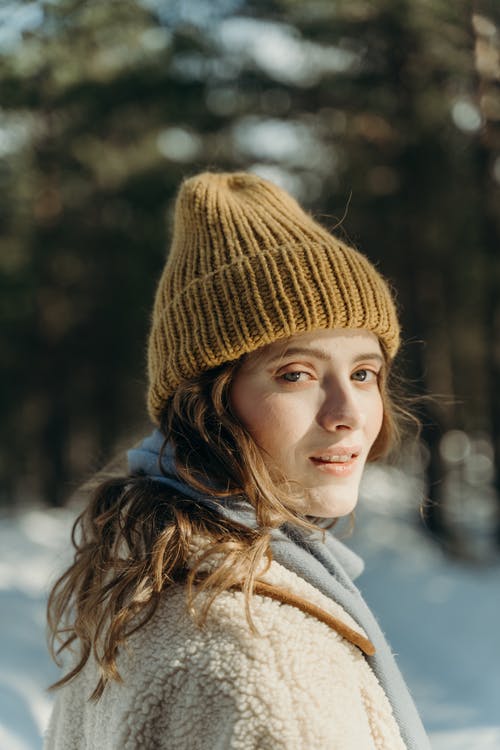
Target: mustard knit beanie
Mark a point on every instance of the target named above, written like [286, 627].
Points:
[247, 267]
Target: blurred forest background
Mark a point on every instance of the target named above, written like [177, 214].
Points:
[380, 115]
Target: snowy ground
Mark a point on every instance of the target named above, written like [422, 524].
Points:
[441, 619]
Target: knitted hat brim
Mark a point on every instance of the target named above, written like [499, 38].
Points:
[294, 289]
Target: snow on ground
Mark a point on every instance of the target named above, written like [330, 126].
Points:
[441, 618]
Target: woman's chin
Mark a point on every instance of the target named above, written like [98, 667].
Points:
[324, 504]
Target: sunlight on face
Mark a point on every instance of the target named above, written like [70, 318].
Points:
[313, 406]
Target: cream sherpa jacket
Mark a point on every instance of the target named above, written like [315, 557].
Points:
[302, 684]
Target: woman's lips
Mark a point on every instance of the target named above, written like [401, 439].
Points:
[336, 469]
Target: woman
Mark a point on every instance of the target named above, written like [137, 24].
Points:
[207, 607]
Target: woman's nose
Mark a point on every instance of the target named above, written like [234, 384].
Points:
[339, 410]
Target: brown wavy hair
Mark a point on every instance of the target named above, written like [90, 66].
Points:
[135, 535]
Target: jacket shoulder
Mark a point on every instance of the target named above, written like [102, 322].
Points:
[295, 685]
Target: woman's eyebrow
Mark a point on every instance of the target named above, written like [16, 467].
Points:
[323, 354]
[312, 351]
[369, 355]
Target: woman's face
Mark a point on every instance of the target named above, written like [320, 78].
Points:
[314, 407]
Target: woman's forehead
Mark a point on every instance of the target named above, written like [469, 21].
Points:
[320, 340]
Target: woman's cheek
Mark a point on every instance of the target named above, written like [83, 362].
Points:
[376, 416]
[268, 423]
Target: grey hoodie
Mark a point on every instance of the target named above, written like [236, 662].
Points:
[330, 566]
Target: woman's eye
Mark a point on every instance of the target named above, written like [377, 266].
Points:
[292, 377]
[364, 376]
